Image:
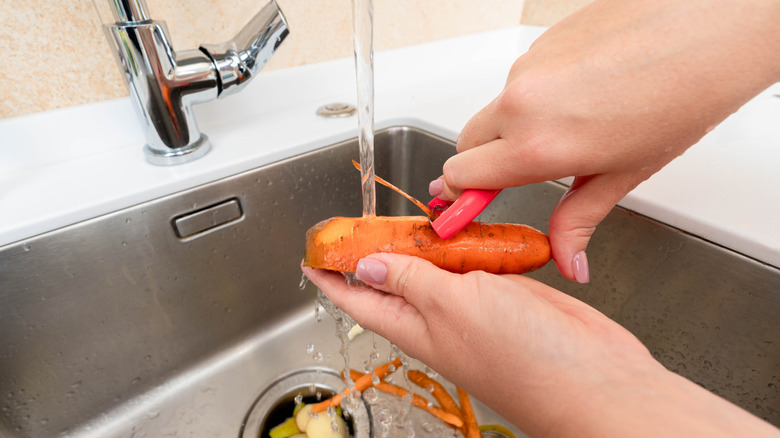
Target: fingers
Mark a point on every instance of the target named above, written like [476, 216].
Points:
[377, 311]
[480, 129]
[416, 280]
[580, 210]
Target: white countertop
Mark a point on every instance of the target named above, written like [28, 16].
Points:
[61, 167]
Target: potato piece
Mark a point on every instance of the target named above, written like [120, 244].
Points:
[302, 418]
[321, 427]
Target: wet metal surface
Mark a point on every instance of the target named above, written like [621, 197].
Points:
[116, 326]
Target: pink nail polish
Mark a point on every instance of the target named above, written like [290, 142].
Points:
[579, 265]
[436, 187]
[371, 271]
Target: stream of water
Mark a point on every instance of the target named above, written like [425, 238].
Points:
[363, 39]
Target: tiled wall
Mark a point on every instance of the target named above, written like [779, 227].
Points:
[55, 54]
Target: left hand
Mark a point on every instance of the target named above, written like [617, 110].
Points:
[495, 336]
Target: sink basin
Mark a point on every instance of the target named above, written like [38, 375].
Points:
[171, 318]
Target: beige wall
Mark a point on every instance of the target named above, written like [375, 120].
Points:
[57, 56]
[549, 12]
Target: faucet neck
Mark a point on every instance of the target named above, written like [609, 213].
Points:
[129, 11]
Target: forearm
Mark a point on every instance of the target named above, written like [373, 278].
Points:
[661, 404]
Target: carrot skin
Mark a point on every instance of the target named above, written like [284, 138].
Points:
[470, 428]
[361, 384]
[439, 392]
[453, 419]
[339, 242]
[422, 403]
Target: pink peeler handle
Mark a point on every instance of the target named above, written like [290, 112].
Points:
[462, 211]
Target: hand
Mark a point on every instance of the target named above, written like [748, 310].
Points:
[610, 95]
[545, 361]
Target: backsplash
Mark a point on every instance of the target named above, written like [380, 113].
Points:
[58, 56]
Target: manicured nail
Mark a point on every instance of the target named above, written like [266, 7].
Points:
[436, 187]
[579, 264]
[371, 271]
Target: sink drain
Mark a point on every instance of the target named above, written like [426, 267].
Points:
[276, 403]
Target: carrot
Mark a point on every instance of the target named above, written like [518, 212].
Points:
[360, 385]
[338, 243]
[439, 392]
[422, 403]
[470, 428]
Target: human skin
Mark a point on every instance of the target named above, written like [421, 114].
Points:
[610, 95]
[547, 362]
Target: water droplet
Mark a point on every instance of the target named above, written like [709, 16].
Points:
[370, 394]
[309, 348]
[298, 399]
[385, 419]
[317, 357]
[374, 379]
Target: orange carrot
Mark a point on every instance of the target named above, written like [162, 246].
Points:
[470, 428]
[338, 243]
[360, 385]
[439, 392]
[422, 403]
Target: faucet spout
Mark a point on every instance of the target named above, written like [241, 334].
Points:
[164, 84]
[238, 60]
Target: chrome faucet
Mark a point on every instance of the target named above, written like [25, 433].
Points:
[164, 84]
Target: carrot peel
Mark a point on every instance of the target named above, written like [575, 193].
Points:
[438, 391]
[470, 428]
[422, 403]
[361, 384]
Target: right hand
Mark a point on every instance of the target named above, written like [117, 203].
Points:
[610, 95]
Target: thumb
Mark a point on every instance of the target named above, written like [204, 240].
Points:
[412, 278]
[574, 219]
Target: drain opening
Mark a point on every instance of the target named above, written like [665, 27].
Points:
[378, 417]
[277, 402]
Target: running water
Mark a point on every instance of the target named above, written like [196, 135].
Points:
[363, 40]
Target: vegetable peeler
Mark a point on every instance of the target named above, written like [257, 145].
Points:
[456, 215]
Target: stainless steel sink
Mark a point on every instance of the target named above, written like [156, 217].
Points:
[172, 317]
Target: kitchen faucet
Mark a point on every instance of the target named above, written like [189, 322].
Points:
[164, 83]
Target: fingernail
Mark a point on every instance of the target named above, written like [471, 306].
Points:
[436, 187]
[579, 264]
[371, 271]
